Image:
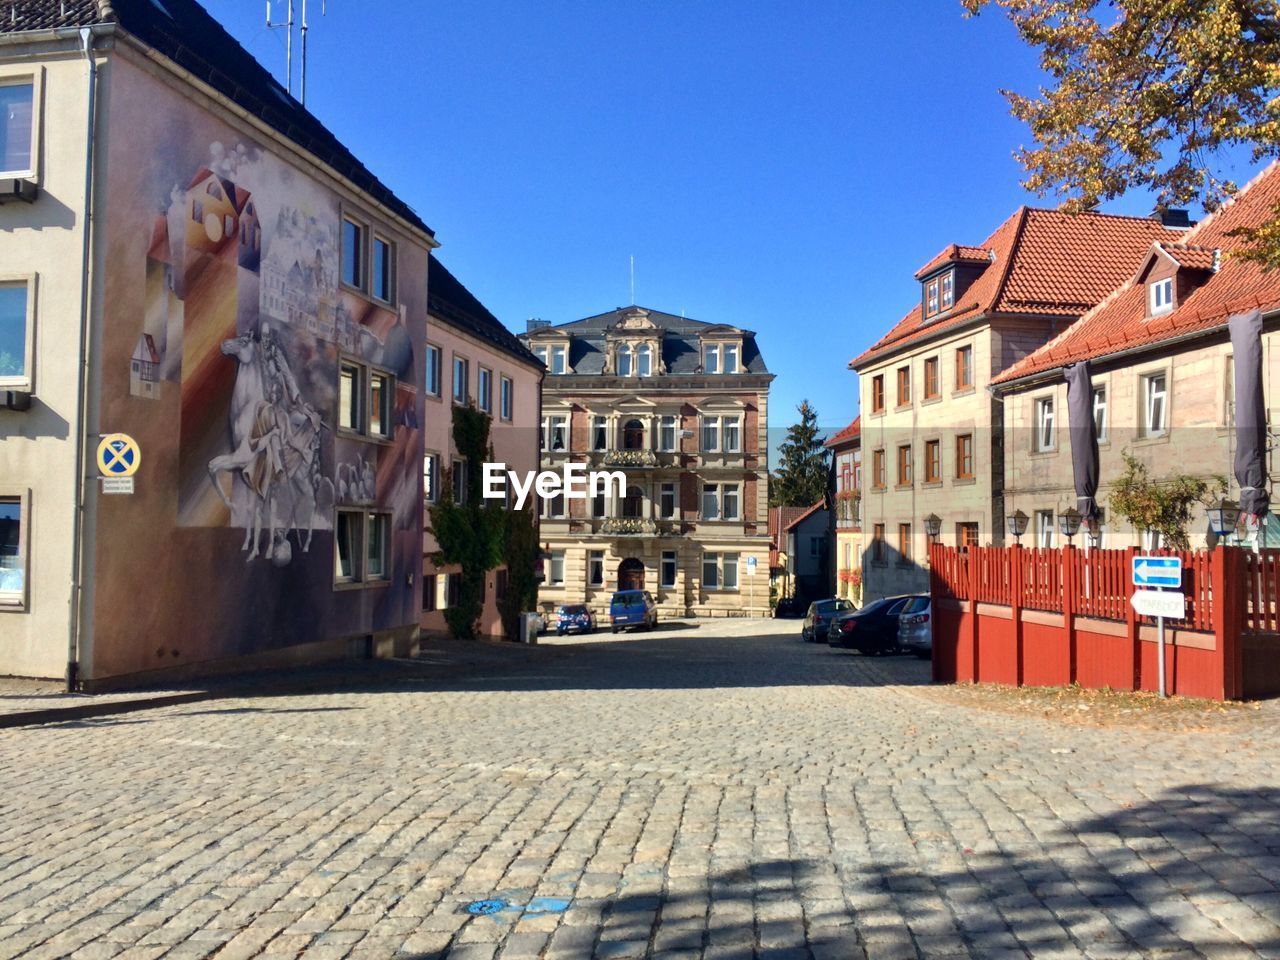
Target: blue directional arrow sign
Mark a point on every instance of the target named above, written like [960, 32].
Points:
[1157, 571]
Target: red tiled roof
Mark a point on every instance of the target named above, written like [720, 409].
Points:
[955, 253]
[805, 514]
[1189, 255]
[1120, 322]
[848, 433]
[1046, 263]
[780, 518]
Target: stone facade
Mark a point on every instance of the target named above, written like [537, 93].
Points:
[694, 450]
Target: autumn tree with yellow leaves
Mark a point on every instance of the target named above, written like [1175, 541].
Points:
[1148, 93]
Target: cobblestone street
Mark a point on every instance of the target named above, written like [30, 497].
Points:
[724, 791]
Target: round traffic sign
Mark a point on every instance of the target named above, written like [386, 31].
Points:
[118, 455]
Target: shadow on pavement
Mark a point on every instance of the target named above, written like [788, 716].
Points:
[1191, 873]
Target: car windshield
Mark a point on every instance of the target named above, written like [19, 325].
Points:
[830, 606]
[573, 610]
[877, 606]
[628, 600]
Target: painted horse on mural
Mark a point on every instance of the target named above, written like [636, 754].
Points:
[275, 448]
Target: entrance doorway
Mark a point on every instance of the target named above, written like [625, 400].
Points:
[631, 574]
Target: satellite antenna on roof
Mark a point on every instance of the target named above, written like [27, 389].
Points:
[287, 23]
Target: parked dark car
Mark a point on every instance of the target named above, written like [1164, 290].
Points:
[872, 630]
[819, 617]
[575, 617]
[632, 608]
[788, 607]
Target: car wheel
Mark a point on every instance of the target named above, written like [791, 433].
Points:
[559, 633]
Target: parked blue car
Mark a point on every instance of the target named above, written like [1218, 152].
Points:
[575, 616]
[632, 608]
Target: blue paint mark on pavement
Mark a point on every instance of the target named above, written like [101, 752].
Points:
[486, 908]
[496, 905]
[547, 905]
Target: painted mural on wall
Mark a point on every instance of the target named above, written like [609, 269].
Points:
[224, 323]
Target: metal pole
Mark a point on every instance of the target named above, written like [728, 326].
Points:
[288, 51]
[303, 84]
[1160, 650]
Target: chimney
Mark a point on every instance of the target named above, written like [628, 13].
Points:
[1175, 218]
[533, 323]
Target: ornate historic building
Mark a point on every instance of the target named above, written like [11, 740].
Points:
[681, 408]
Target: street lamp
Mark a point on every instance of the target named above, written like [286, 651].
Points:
[1223, 517]
[1069, 522]
[1017, 525]
[932, 526]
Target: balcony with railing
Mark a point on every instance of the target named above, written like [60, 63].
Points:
[626, 459]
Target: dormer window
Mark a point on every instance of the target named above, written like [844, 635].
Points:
[555, 358]
[931, 298]
[948, 290]
[1160, 296]
[730, 358]
[624, 360]
[711, 359]
[722, 357]
[644, 360]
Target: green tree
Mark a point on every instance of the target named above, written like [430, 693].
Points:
[1148, 93]
[520, 555]
[801, 478]
[1162, 505]
[471, 532]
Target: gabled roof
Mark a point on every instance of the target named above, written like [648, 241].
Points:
[954, 253]
[1191, 256]
[806, 514]
[1120, 322]
[448, 300]
[847, 435]
[1041, 263]
[681, 351]
[184, 32]
[780, 518]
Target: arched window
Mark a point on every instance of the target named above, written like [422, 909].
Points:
[644, 361]
[633, 504]
[624, 360]
[633, 435]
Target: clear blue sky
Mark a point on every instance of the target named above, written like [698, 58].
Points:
[782, 167]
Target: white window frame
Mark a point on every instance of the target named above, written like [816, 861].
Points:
[556, 559]
[370, 518]
[712, 491]
[624, 360]
[730, 494]
[1160, 296]
[674, 559]
[18, 601]
[599, 433]
[433, 372]
[465, 398]
[668, 422]
[711, 358]
[946, 291]
[1101, 422]
[392, 254]
[711, 424]
[389, 386]
[506, 397]
[26, 381]
[644, 360]
[711, 561]
[543, 353]
[931, 297]
[361, 284]
[431, 477]
[665, 488]
[550, 421]
[356, 576]
[729, 571]
[595, 564]
[555, 507]
[1044, 529]
[731, 364]
[1150, 396]
[484, 389]
[736, 446]
[18, 77]
[559, 357]
[1046, 433]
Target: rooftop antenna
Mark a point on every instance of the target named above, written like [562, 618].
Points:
[288, 44]
[323, 5]
[633, 279]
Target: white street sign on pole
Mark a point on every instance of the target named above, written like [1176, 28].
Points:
[1154, 603]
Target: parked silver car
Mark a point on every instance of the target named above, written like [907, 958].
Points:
[915, 627]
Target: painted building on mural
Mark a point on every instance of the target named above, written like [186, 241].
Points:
[471, 359]
[1161, 375]
[247, 301]
[681, 407]
[931, 433]
[807, 540]
[846, 509]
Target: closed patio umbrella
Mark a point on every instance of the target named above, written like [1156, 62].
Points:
[1251, 413]
[1084, 437]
